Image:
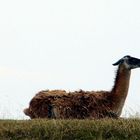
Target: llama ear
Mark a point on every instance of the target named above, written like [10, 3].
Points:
[118, 62]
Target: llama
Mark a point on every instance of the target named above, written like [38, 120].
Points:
[81, 104]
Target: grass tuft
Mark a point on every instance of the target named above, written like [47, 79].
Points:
[42, 129]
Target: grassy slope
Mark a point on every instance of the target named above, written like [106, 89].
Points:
[128, 129]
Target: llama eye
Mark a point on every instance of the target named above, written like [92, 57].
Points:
[132, 61]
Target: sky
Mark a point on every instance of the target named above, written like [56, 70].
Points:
[70, 45]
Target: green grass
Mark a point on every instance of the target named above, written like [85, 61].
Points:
[41, 129]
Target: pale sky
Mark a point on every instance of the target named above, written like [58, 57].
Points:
[61, 44]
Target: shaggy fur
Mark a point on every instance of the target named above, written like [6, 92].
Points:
[80, 104]
[83, 104]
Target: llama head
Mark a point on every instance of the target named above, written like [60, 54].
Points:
[129, 62]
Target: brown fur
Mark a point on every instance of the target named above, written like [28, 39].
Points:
[82, 104]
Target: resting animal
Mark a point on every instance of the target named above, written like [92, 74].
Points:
[85, 104]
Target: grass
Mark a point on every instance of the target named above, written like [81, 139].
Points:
[42, 129]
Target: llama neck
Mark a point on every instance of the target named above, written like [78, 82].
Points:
[120, 89]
